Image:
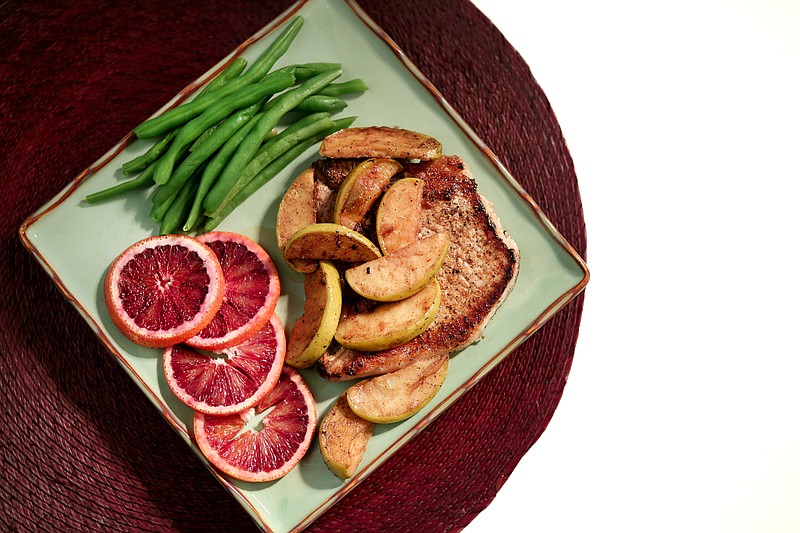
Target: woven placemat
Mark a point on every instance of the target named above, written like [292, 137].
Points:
[81, 446]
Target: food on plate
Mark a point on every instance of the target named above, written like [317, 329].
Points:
[212, 152]
[240, 168]
[379, 141]
[477, 275]
[361, 188]
[164, 290]
[252, 288]
[343, 438]
[270, 171]
[226, 385]
[313, 332]
[296, 211]
[214, 184]
[399, 217]
[441, 267]
[400, 394]
[265, 442]
[254, 416]
[444, 266]
[400, 273]
[390, 324]
[343, 88]
[220, 110]
[330, 242]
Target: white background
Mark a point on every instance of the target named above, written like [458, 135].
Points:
[682, 410]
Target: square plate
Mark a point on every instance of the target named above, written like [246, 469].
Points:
[551, 272]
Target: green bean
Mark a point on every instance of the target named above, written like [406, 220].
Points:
[179, 208]
[305, 71]
[180, 115]
[140, 163]
[137, 164]
[199, 223]
[294, 127]
[221, 109]
[158, 211]
[144, 179]
[205, 135]
[230, 72]
[327, 99]
[160, 198]
[205, 150]
[247, 149]
[317, 103]
[356, 85]
[215, 167]
[272, 170]
[296, 133]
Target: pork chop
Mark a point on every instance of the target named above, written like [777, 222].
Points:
[479, 271]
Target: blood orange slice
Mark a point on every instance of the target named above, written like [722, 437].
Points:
[231, 383]
[252, 288]
[263, 443]
[163, 290]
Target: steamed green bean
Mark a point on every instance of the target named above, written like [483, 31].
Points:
[144, 179]
[271, 170]
[251, 94]
[219, 194]
[182, 114]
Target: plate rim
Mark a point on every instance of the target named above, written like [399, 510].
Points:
[190, 89]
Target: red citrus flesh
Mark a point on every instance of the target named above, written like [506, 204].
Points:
[252, 288]
[164, 290]
[231, 384]
[269, 449]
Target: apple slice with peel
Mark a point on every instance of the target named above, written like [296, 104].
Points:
[399, 216]
[391, 324]
[401, 273]
[361, 188]
[343, 438]
[398, 395]
[313, 332]
[296, 211]
[333, 242]
[380, 141]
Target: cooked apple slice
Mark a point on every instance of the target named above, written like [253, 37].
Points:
[401, 273]
[327, 241]
[361, 188]
[390, 324]
[296, 211]
[380, 141]
[313, 332]
[343, 438]
[398, 395]
[399, 216]
[343, 364]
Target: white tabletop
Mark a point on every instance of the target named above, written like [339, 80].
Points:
[682, 410]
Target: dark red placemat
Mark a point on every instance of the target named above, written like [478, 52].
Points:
[81, 446]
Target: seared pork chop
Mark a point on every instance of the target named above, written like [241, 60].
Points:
[480, 270]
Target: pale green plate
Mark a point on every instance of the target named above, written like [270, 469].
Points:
[76, 243]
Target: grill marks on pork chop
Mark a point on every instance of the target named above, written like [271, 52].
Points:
[479, 271]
